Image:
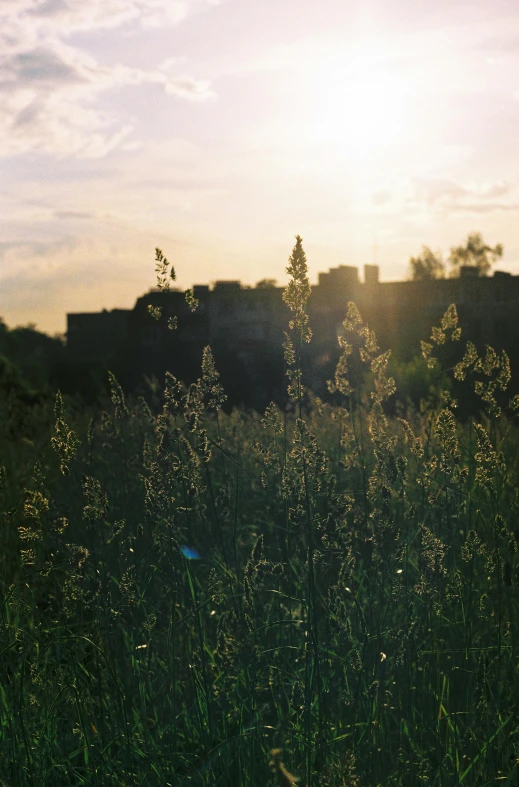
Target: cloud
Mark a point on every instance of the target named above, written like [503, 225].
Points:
[37, 273]
[432, 190]
[381, 196]
[499, 189]
[31, 20]
[36, 67]
[51, 90]
[489, 207]
[73, 214]
[448, 195]
[42, 279]
[504, 43]
[16, 253]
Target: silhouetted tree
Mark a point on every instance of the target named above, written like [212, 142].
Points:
[266, 284]
[427, 266]
[475, 253]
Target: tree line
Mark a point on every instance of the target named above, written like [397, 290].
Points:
[476, 253]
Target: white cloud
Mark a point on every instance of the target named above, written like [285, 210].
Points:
[32, 20]
[51, 89]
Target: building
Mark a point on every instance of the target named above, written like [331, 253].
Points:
[245, 326]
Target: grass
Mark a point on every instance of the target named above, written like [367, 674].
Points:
[184, 591]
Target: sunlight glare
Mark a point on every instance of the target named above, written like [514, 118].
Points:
[361, 103]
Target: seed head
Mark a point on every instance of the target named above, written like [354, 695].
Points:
[284, 778]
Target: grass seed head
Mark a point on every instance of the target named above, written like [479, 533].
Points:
[284, 778]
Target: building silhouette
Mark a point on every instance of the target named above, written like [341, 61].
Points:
[245, 327]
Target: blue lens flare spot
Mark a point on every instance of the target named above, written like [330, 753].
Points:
[190, 553]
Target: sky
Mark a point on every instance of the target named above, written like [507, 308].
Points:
[218, 130]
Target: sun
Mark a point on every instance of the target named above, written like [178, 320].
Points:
[360, 102]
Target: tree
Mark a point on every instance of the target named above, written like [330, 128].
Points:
[475, 253]
[266, 284]
[427, 266]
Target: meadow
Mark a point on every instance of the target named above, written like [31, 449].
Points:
[185, 589]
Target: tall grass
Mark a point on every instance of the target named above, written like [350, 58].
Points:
[189, 590]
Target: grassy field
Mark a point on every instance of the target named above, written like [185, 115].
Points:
[184, 590]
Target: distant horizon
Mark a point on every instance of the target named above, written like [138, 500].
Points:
[181, 290]
[218, 129]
